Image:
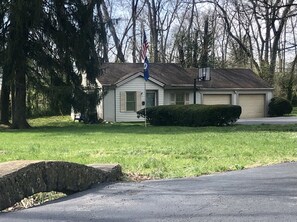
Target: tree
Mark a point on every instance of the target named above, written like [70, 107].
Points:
[112, 29]
[24, 16]
[263, 22]
[204, 59]
[49, 43]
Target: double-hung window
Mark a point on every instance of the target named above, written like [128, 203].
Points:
[179, 98]
[130, 101]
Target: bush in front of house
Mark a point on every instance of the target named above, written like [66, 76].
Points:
[279, 106]
[191, 115]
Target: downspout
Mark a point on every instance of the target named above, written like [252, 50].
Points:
[115, 105]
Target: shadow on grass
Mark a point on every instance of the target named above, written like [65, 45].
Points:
[139, 128]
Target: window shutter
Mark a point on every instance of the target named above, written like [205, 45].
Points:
[138, 101]
[123, 101]
[187, 99]
[172, 99]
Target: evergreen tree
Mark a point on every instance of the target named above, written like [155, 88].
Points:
[50, 43]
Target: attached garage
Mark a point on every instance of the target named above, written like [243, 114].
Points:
[213, 99]
[253, 105]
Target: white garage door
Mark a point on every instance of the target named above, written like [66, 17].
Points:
[212, 99]
[252, 106]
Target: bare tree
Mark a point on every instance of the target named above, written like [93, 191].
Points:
[110, 23]
[267, 21]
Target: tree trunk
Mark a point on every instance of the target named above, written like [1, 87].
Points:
[5, 91]
[205, 47]
[277, 36]
[134, 10]
[19, 120]
[17, 62]
[153, 10]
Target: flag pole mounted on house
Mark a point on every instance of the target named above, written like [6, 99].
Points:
[145, 69]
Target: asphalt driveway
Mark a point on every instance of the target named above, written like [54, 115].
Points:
[268, 120]
[259, 194]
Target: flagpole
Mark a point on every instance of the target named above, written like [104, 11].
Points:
[144, 103]
[145, 70]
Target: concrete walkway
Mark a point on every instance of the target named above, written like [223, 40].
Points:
[268, 120]
[258, 194]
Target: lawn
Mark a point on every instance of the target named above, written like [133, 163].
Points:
[159, 152]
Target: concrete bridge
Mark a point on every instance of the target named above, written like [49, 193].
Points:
[20, 179]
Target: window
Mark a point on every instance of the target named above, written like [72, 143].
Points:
[130, 101]
[179, 98]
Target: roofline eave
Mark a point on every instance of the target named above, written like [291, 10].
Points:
[236, 89]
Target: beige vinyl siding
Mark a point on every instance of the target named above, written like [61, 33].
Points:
[135, 85]
[252, 105]
[108, 106]
[212, 99]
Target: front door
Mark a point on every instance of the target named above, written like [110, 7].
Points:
[151, 98]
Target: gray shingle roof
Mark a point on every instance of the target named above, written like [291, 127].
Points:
[167, 73]
[173, 75]
[231, 78]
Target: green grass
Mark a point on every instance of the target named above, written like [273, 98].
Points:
[160, 152]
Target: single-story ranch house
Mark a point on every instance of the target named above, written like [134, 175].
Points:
[124, 86]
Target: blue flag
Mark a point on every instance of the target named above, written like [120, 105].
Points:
[146, 69]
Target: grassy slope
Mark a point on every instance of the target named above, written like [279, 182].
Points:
[155, 151]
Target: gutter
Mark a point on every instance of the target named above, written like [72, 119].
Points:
[180, 86]
[237, 89]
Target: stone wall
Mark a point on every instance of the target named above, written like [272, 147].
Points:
[20, 179]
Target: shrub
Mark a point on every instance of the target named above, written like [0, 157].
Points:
[191, 115]
[279, 106]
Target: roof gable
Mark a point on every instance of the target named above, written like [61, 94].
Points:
[131, 76]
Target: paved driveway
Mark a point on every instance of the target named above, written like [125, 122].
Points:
[268, 120]
[259, 194]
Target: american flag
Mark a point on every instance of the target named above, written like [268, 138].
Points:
[145, 46]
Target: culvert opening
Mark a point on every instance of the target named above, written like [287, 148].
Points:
[35, 200]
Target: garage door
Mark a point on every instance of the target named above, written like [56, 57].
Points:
[212, 99]
[252, 106]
